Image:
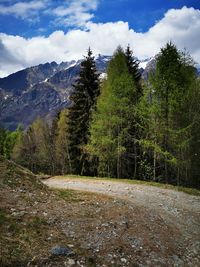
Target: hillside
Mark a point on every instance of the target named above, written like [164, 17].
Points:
[92, 230]
[33, 221]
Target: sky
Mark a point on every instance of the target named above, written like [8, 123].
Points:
[40, 31]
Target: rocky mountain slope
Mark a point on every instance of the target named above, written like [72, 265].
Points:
[43, 90]
[39, 91]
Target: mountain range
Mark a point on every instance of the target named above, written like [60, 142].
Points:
[43, 90]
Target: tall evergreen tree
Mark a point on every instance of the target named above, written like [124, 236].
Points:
[194, 153]
[86, 91]
[133, 67]
[133, 153]
[110, 133]
[168, 98]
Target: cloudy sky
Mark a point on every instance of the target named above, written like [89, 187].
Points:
[39, 31]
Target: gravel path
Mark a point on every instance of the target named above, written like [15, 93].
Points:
[177, 209]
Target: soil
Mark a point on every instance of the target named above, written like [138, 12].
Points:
[157, 227]
[113, 224]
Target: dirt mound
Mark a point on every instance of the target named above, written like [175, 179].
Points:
[16, 177]
[28, 220]
[53, 228]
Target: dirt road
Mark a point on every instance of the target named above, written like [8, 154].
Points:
[175, 210]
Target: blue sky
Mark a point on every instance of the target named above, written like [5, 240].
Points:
[140, 14]
[37, 31]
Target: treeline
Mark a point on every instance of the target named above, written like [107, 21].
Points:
[123, 126]
[8, 140]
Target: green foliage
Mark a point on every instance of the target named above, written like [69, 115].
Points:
[164, 112]
[123, 128]
[33, 148]
[133, 67]
[113, 117]
[63, 161]
[8, 140]
[86, 91]
[3, 135]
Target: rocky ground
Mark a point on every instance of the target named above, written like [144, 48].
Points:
[153, 226]
[127, 225]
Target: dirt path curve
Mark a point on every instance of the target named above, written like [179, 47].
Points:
[177, 209]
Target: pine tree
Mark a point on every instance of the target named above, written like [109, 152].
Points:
[133, 67]
[86, 91]
[169, 124]
[113, 119]
[194, 153]
[134, 155]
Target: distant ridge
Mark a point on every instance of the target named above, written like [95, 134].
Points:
[42, 90]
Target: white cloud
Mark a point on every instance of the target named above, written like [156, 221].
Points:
[75, 12]
[23, 10]
[69, 12]
[181, 26]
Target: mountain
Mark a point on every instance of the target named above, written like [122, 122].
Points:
[39, 91]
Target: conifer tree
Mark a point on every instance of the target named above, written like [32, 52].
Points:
[113, 118]
[86, 91]
[133, 67]
[193, 108]
[170, 126]
[134, 154]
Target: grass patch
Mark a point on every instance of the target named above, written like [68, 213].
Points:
[37, 222]
[70, 195]
[187, 190]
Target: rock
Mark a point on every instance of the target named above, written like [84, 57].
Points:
[104, 225]
[61, 251]
[70, 245]
[18, 214]
[70, 263]
[123, 260]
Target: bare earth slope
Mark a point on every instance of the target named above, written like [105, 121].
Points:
[161, 226]
[123, 225]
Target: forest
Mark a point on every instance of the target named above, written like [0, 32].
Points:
[121, 126]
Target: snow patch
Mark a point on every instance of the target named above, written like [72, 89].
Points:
[71, 65]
